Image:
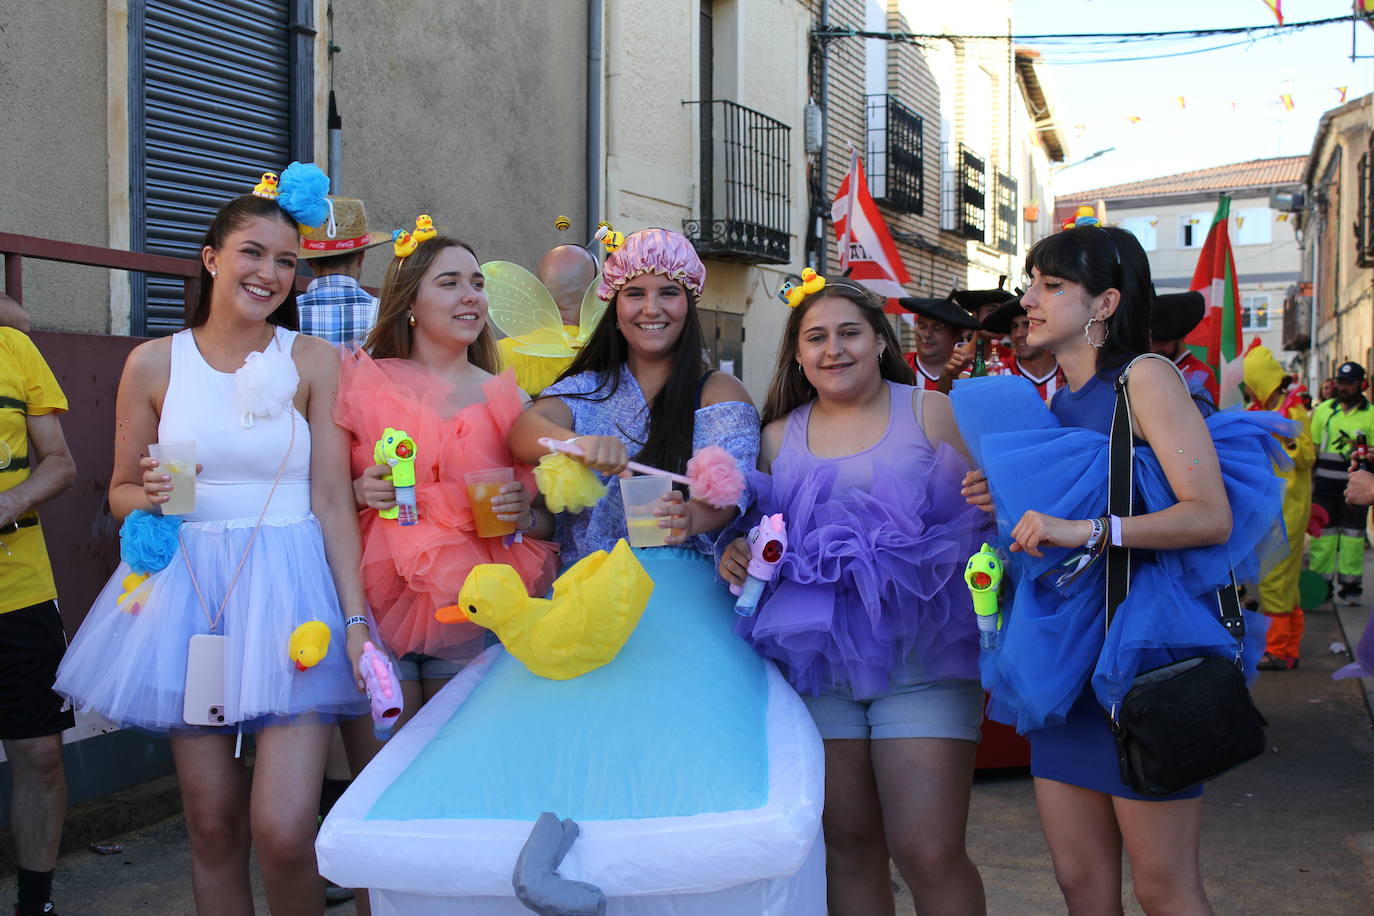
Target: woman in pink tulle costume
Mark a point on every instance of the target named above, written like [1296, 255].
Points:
[428, 369]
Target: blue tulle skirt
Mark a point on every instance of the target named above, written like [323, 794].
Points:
[1053, 641]
[128, 660]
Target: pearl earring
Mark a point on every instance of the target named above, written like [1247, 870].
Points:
[214, 275]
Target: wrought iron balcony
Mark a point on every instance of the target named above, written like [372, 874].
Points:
[972, 185]
[745, 198]
[896, 155]
[1004, 217]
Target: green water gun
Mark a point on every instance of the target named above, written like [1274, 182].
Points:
[397, 450]
[983, 575]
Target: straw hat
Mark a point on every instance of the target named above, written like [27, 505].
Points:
[350, 232]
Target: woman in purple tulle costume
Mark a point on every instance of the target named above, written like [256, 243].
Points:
[869, 617]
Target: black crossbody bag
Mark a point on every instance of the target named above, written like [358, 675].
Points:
[1192, 720]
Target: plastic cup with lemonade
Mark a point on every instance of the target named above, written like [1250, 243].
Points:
[641, 496]
[177, 460]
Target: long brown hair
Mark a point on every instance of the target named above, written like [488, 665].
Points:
[672, 412]
[229, 218]
[790, 388]
[391, 336]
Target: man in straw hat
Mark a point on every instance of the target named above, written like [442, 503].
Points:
[335, 306]
[1172, 318]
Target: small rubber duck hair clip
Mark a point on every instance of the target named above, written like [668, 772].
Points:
[267, 187]
[1083, 217]
[608, 237]
[794, 293]
[404, 243]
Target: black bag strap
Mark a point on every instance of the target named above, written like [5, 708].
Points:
[1120, 502]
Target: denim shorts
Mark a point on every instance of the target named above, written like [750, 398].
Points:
[933, 709]
[417, 666]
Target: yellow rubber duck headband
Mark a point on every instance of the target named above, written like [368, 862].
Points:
[404, 243]
[794, 293]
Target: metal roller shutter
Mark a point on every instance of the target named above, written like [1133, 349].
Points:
[211, 108]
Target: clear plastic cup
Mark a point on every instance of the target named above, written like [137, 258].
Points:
[641, 496]
[482, 486]
[177, 459]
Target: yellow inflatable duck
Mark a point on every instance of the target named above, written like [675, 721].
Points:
[811, 282]
[403, 243]
[309, 644]
[267, 187]
[596, 605]
[424, 228]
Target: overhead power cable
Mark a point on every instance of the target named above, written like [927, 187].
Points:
[1271, 28]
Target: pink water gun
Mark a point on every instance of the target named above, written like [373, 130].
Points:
[767, 544]
[383, 689]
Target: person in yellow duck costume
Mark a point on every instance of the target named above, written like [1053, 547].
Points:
[596, 605]
[1278, 591]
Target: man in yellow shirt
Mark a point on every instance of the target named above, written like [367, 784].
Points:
[35, 466]
[566, 272]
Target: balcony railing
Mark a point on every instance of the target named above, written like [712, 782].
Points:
[745, 198]
[972, 186]
[1364, 215]
[896, 155]
[1004, 217]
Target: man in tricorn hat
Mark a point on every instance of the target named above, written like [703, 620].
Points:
[1034, 363]
[1172, 318]
[938, 323]
[335, 306]
[981, 303]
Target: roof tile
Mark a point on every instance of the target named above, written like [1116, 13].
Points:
[1281, 170]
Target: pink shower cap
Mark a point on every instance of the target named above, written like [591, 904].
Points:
[652, 251]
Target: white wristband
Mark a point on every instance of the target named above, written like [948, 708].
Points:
[356, 618]
[1116, 530]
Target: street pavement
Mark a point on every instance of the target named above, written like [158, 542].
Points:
[1291, 833]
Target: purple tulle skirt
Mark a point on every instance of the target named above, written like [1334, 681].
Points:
[870, 593]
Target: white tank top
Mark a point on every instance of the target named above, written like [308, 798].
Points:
[240, 462]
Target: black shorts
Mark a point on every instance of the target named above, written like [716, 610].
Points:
[32, 644]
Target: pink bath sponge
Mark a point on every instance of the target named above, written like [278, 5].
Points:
[715, 477]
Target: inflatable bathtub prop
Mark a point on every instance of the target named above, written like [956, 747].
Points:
[691, 771]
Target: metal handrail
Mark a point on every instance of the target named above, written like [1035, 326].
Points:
[17, 247]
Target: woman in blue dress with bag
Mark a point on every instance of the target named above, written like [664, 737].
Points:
[1059, 666]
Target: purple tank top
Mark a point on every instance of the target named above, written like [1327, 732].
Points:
[903, 445]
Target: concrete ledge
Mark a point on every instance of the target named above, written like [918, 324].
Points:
[109, 816]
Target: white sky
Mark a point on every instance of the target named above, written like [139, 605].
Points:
[1232, 111]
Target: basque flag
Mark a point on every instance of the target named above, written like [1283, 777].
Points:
[1217, 339]
[866, 247]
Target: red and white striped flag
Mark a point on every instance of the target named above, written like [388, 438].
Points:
[866, 247]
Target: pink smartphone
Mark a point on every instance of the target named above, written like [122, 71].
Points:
[204, 698]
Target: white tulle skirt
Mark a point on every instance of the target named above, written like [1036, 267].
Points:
[128, 660]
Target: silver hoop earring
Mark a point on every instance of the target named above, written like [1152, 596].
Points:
[1096, 345]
